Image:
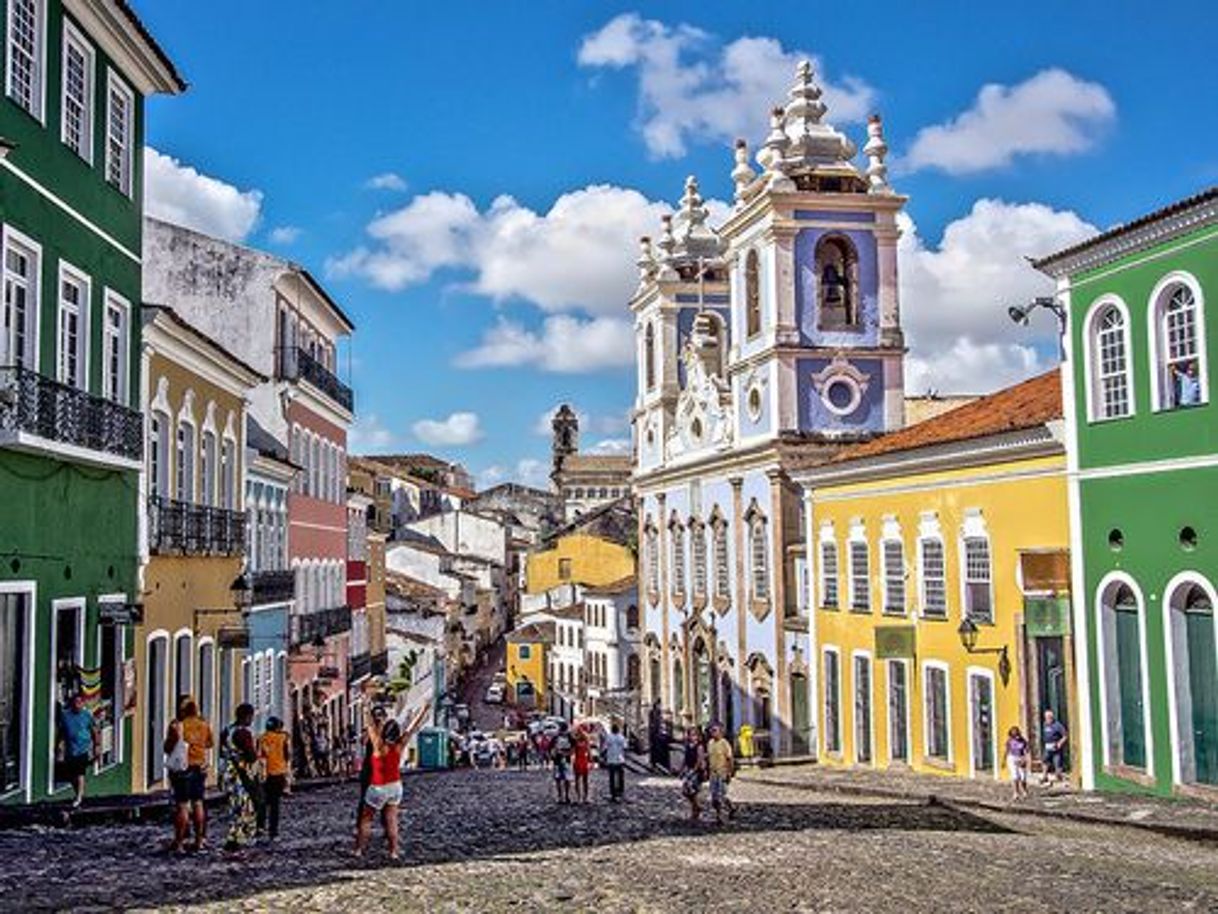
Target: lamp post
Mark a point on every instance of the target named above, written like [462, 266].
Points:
[1019, 314]
[968, 639]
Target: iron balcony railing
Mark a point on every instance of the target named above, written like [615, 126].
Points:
[297, 364]
[361, 666]
[273, 586]
[379, 663]
[37, 405]
[319, 625]
[190, 529]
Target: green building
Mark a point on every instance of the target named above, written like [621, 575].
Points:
[75, 75]
[1143, 467]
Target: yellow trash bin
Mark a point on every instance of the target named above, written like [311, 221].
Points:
[745, 740]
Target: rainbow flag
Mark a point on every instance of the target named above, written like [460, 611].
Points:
[90, 684]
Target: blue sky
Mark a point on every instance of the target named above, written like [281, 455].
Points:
[520, 148]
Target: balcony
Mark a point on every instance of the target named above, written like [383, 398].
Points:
[295, 364]
[273, 586]
[34, 406]
[184, 528]
[379, 663]
[320, 624]
[361, 667]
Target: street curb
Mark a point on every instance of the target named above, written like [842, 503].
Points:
[1186, 832]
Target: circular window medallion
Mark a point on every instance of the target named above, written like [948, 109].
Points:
[1188, 539]
[841, 395]
[1116, 539]
[755, 403]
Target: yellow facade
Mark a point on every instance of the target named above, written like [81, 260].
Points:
[581, 559]
[526, 662]
[1017, 507]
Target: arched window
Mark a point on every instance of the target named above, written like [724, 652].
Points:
[652, 557]
[633, 672]
[752, 294]
[1177, 347]
[759, 557]
[677, 531]
[722, 574]
[207, 469]
[649, 356]
[184, 458]
[697, 543]
[837, 283]
[632, 617]
[1111, 393]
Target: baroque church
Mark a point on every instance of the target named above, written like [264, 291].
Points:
[763, 346]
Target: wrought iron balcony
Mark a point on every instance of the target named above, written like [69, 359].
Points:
[296, 364]
[319, 625]
[188, 529]
[273, 586]
[37, 405]
[379, 663]
[361, 667]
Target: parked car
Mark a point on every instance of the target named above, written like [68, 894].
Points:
[494, 694]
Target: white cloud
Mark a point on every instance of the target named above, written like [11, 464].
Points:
[458, 429]
[369, 433]
[694, 88]
[1052, 113]
[529, 472]
[285, 234]
[617, 447]
[576, 255]
[563, 344]
[386, 181]
[180, 194]
[954, 296]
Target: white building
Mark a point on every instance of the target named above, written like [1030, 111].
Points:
[763, 345]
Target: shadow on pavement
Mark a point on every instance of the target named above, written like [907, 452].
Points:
[446, 817]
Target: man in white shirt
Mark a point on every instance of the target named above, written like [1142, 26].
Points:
[615, 762]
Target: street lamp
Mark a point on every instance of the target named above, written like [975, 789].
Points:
[1019, 314]
[242, 592]
[6, 146]
[968, 639]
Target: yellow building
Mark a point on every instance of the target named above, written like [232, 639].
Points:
[578, 558]
[526, 664]
[940, 587]
[192, 637]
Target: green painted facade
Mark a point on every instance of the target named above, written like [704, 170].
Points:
[1147, 493]
[69, 519]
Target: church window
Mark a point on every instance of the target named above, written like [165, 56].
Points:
[649, 356]
[759, 555]
[722, 574]
[678, 557]
[752, 294]
[837, 283]
[697, 538]
[652, 559]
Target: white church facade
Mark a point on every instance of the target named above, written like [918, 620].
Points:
[764, 345]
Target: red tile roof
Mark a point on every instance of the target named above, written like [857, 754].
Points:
[1026, 405]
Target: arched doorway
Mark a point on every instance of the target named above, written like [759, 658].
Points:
[703, 685]
[1195, 672]
[678, 687]
[727, 700]
[801, 721]
[1124, 677]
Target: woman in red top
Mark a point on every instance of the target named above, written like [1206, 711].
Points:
[582, 764]
[384, 791]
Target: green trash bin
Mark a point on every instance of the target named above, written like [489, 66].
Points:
[433, 748]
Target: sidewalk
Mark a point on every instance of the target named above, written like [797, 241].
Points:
[1177, 817]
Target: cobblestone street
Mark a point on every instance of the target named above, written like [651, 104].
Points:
[490, 841]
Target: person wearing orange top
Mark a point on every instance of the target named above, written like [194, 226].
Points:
[273, 750]
[188, 783]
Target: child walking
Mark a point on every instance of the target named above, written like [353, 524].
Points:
[1017, 763]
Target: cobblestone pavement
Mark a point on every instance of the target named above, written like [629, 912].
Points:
[495, 841]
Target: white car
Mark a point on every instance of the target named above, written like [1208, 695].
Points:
[494, 694]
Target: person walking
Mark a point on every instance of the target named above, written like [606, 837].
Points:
[379, 715]
[581, 763]
[657, 744]
[384, 793]
[615, 762]
[560, 755]
[721, 763]
[1054, 735]
[79, 737]
[187, 742]
[240, 754]
[693, 769]
[1016, 753]
[275, 754]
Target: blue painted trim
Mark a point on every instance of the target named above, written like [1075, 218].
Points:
[819, 216]
[691, 298]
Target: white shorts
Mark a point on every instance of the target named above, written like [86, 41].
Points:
[1018, 769]
[378, 796]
